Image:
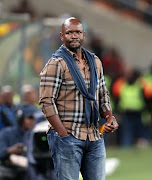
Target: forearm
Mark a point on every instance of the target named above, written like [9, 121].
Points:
[104, 98]
[57, 125]
[107, 113]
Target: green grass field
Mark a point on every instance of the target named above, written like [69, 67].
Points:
[135, 163]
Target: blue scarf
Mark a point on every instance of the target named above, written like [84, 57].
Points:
[91, 114]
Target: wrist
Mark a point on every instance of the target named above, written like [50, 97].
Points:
[62, 134]
[108, 116]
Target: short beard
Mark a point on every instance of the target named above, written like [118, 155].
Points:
[74, 49]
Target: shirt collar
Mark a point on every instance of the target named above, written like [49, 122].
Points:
[75, 56]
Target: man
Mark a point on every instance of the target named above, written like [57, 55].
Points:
[30, 98]
[30, 95]
[14, 143]
[72, 93]
[7, 108]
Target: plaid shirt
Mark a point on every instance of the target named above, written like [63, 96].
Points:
[59, 95]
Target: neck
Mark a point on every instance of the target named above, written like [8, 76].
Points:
[77, 51]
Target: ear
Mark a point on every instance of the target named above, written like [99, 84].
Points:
[61, 36]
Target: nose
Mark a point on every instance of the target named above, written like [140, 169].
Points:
[74, 35]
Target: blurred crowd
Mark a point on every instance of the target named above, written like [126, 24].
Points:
[18, 118]
[131, 95]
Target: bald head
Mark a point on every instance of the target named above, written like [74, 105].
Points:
[69, 21]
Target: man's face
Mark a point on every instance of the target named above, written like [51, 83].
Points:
[28, 123]
[72, 35]
[8, 98]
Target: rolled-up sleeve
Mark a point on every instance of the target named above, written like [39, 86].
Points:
[51, 80]
[104, 94]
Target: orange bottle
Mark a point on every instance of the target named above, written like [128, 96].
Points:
[101, 129]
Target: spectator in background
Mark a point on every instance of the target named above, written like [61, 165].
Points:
[14, 141]
[8, 109]
[30, 95]
[30, 98]
[37, 169]
[147, 87]
[131, 104]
